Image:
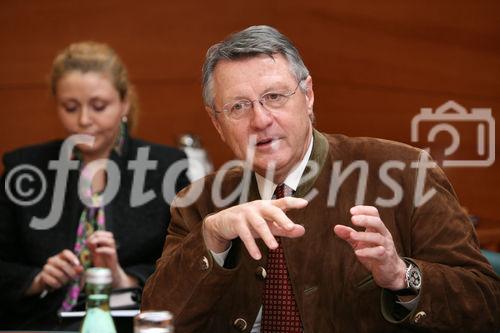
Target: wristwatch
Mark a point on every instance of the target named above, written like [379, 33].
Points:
[413, 280]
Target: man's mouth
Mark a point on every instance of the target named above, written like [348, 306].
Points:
[268, 143]
[265, 141]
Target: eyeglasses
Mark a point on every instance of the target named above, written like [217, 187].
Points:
[271, 101]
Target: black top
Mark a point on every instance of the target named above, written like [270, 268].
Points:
[138, 231]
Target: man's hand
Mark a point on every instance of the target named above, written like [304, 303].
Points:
[257, 219]
[374, 247]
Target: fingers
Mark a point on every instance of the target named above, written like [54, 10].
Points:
[267, 231]
[372, 238]
[102, 245]
[364, 210]
[374, 247]
[249, 241]
[60, 269]
[272, 221]
[101, 238]
[105, 257]
[261, 228]
[288, 203]
[106, 251]
[297, 231]
[51, 281]
[375, 233]
[257, 219]
[374, 253]
[344, 232]
[354, 238]
[368, 217]
[70, 257]
[275, 214]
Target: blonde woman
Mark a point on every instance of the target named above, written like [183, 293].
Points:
[41, 268]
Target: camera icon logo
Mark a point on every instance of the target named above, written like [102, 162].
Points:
[473, 132]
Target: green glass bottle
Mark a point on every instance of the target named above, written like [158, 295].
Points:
[98, 287]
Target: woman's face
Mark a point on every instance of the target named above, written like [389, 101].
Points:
[88, 103]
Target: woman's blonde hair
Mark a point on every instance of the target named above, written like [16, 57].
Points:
[96, 57]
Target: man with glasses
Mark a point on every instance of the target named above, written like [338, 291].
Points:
[275, 262]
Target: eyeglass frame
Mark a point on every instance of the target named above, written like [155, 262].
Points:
[225, 110]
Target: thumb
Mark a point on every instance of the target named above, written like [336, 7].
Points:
[297, 231]
[344, 233]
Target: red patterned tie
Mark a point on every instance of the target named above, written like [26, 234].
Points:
[280, 313]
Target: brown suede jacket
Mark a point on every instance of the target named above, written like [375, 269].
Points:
[334, 292]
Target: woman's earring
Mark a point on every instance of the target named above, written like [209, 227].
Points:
[124, 119]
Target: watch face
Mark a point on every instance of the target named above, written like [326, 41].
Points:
[414, 279]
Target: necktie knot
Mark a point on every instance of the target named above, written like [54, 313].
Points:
[282, 190]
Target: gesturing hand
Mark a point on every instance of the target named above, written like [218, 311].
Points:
[374, 247]
[257, 219]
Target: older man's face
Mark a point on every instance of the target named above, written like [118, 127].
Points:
[282, 135]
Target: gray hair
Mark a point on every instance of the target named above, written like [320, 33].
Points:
[251, 42]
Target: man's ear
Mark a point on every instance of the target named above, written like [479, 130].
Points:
[309, 94]
[215, 122]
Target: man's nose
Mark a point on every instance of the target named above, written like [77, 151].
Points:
[261, 117]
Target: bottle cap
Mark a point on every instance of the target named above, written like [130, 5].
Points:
[98, 275]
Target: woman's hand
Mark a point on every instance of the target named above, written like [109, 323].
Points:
[102, 247]
[56, 273]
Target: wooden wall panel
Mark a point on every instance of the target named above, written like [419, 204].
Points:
[374, 65]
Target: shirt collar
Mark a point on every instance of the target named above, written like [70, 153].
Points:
[266, 187]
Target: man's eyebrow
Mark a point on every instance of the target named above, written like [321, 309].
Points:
[237, 98]
[272, 87]
[279, 86]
